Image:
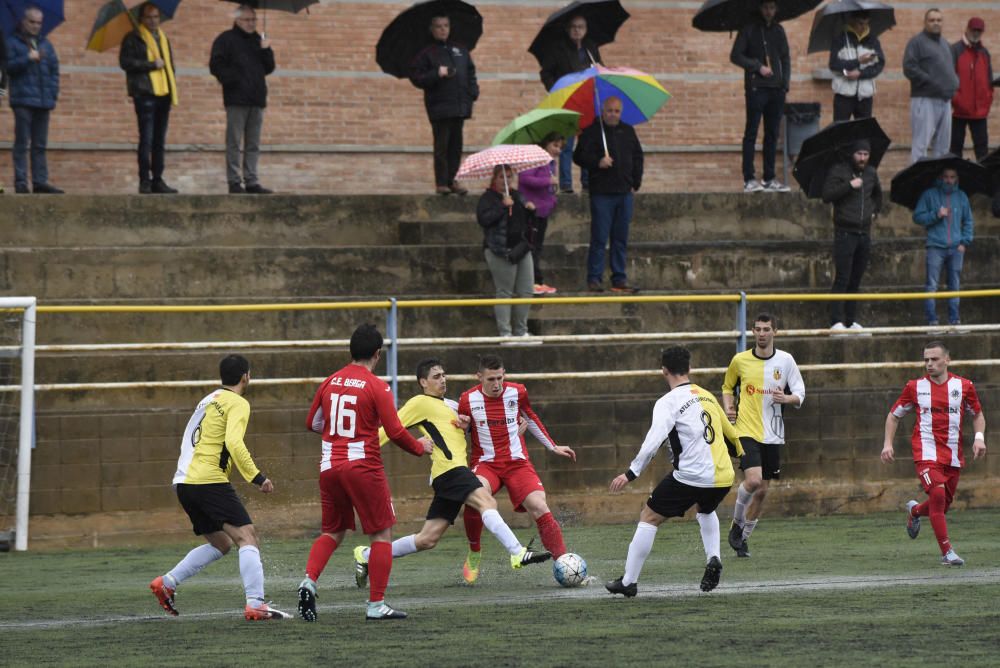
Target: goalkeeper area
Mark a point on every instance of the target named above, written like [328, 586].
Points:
[818, 591]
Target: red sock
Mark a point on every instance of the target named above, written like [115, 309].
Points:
[938, 503]
[551, 534]
[921, 509]
[473, 528]
[379, 567]
[320, 553]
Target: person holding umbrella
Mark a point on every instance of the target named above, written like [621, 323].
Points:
[853, 188]
[447, 75]
[930, 66]
[855, 60]
[761, 50]
[147, 58]
[945, 211]
[505, 218]
[34, 88]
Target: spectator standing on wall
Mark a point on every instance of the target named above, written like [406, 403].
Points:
[241, 59]
[971, 104]
[856, 60]
[930, 66]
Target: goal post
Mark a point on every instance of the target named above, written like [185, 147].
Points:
[27, 306]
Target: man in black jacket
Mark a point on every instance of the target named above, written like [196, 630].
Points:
[573, 53]
[147, 58]
[611, 152]
[761, 49]
[852, 186]
[446, 74]
[241, 59]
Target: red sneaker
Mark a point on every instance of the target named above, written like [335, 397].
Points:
[263, 612]
[163, 594]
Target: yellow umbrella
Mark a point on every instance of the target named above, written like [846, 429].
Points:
[114, 21]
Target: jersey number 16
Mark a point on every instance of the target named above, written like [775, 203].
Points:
[342, 415]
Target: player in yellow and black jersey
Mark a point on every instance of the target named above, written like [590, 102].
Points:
[453, 481]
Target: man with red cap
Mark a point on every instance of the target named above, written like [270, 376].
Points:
[971, 104]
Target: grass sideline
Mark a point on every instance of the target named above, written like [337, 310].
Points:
[831, 591]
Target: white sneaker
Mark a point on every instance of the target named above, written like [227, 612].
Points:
[776, 186]
[838, 329]
[752, 186]
[952, 559]
[525, 339]
[858, 330]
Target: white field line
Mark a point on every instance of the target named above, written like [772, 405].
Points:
[596, 590]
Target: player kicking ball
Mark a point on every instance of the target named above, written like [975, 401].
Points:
[453, 481]
[702, 440]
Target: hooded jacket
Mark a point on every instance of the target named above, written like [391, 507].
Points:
[32, 84]
[948, 232]
[565, 58]
[975, 80]
[929, 65]
[853, 209]
[241, 66]
[845, 55]
[756, 44]
[448, 97]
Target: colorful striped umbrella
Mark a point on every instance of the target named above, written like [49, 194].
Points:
[584, 91]
[518, 157]
[114, 21]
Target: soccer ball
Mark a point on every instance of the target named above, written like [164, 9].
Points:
[569, 570]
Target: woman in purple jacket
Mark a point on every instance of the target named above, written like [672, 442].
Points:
[539, 186]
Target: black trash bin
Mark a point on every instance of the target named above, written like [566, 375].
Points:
[801, 122]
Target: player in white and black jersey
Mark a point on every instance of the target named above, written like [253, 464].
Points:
[701, 441]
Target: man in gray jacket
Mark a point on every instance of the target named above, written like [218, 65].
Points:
[929, 65]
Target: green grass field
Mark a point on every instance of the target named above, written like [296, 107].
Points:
[832, 591]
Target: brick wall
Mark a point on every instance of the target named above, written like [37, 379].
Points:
[335, 124]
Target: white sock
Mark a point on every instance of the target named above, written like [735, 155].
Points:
[494, 522]
[403, 546]
[252, 572]
[191, 564]
[742, 501]
[638, 550]
[748, 528]
[709, 534]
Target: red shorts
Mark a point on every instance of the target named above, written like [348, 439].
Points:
[932, 474]
[518, 476]
[346, 489]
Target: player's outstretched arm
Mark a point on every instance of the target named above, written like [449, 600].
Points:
[979, 443]
[891, 424]
[564, 451]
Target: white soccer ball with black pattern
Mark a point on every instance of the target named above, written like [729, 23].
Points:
[569, 570]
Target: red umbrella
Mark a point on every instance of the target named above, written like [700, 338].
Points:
[518, 157]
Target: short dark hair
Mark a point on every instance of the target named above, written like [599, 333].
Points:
[549, 138]
[439, 15]
[937, 344]
[676, 360]
[365, 342]
[767, 317]
[491, 362]
[145, 6]
[932, 9]
[425, 366]
[232, 368]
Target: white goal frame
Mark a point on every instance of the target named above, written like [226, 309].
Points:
[26, 421]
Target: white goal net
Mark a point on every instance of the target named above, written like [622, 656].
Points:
[17, 413]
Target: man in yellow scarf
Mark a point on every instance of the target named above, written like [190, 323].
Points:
[147, 59]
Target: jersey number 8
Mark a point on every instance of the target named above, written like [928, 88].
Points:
[709, 432]
[342, 415]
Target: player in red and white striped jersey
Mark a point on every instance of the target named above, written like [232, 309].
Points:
[500, 458]
[940, 398]
[347, 411]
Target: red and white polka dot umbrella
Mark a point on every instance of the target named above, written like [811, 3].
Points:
[518, 157]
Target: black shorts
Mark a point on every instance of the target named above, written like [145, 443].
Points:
[765, 455]
[211, 506]
[672, 498]
[451, 489]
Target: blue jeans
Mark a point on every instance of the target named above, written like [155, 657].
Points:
[769, 104]
[610, 216]
[566, 167]
[31, 125]
[153, 114]
[951, 261]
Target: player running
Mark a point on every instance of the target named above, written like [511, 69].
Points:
[500, 457]
[347, 410]
[940, 398]
[453, 481]
[701, 442]
[768, 379]
[212, 443]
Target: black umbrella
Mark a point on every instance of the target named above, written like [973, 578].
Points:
[409, 33]
[909, 184]
[832, 144]
[290, 6]
[829, 22]
[604, 18]
[731, 15]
